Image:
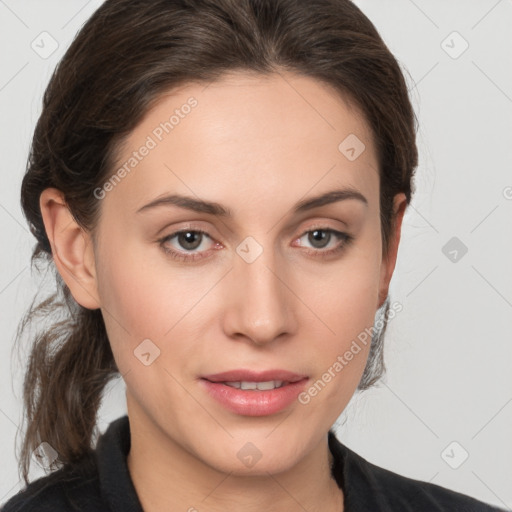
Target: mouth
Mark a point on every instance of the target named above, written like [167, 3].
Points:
[260, 386]
[251, 393]
[258, 377]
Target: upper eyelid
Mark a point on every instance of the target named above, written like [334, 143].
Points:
[344, 226]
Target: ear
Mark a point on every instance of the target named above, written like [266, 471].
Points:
[388, 263]
[72, 248]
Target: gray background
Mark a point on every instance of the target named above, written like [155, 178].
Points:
[448, 391]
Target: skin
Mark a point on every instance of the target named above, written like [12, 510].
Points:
[257, 145]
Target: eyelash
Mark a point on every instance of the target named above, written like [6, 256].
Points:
[346, 240]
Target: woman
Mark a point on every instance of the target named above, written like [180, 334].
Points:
[220, 186]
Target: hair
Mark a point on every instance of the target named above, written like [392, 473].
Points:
[124, 58]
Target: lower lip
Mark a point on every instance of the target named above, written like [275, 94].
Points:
[254, 402]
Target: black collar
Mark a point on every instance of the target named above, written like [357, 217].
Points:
[115, 481]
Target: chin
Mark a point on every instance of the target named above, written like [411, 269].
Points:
[242, 457]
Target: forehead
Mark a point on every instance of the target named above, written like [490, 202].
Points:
[251, 136]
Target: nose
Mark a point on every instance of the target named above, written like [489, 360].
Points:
[260, 303]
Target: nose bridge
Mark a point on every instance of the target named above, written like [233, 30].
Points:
[262, 309]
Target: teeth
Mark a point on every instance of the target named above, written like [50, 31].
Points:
[262, 386]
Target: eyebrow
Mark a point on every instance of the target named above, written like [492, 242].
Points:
[212, 208]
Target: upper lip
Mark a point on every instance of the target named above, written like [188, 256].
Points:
[240, 375]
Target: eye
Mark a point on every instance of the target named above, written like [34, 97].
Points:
[188, 240]
[320, 238]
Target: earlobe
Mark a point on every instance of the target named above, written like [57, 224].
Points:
[72, 248]
[388, 264]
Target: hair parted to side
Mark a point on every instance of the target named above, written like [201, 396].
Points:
[122, 60]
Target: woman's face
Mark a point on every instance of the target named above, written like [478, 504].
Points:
[270, 287]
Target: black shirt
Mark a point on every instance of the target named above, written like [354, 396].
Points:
[101, 482]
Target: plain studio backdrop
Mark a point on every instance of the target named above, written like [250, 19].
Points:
[443, 412]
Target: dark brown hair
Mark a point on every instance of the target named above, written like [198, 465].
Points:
[123, 59]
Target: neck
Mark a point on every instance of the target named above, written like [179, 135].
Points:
[168, 477]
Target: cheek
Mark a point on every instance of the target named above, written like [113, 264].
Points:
[345, 295]
[350, 316]
[347, 308]
[345, 301]
[130, 302]
[144, 297]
